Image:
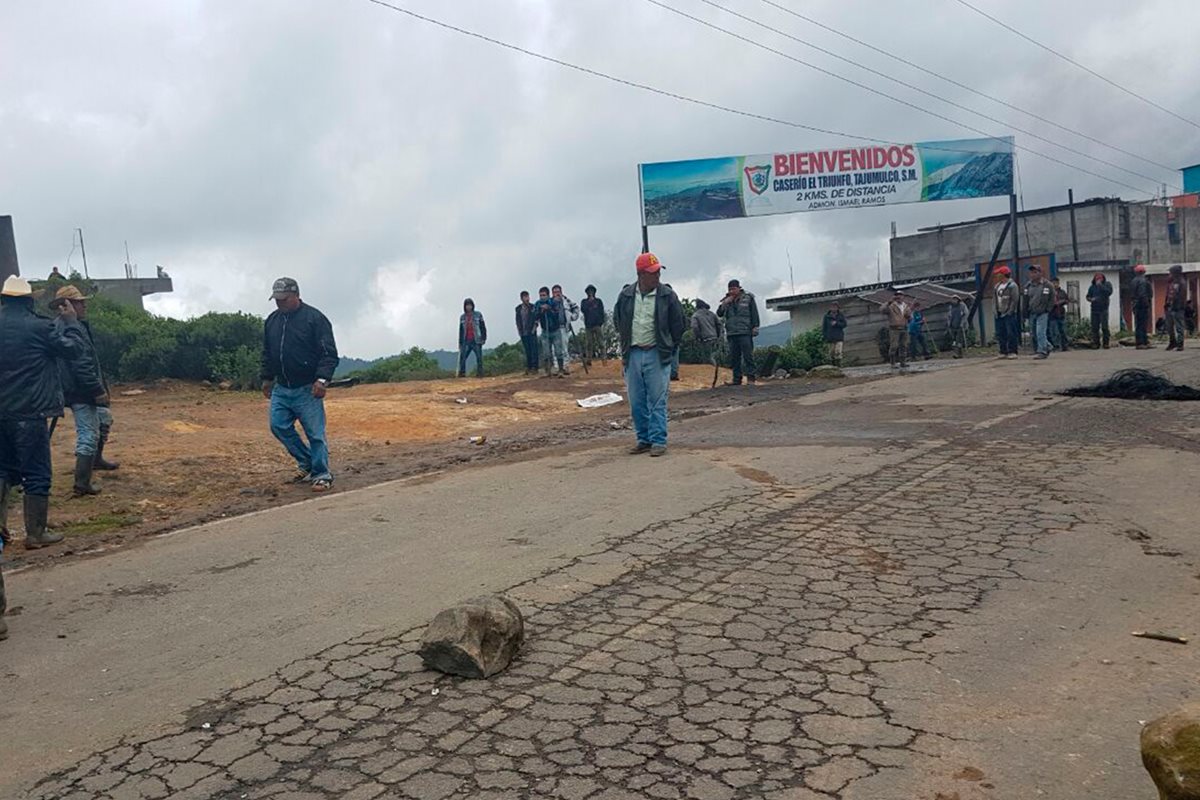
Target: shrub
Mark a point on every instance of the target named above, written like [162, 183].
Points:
[240, 367]
[415, 365]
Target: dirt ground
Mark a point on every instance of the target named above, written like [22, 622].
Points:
[191, 453]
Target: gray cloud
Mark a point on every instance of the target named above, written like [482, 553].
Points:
[394, 168]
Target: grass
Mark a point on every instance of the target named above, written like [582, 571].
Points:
[100, 523]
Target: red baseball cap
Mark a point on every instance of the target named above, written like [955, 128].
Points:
[1140, 268]
[648, 262]
[1003, 271]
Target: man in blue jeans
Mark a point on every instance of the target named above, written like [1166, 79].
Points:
[1040, 298]
[299, 359]
[527, 330]
[649, 321]
[472, 336]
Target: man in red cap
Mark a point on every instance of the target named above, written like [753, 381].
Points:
[1098, 295]
[1008, 313]
[649, 321]
[1143, 300]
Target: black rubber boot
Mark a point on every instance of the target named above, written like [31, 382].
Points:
[99, 462]
[3, 608]
[5, 491]
[37, 509]
[83, 477]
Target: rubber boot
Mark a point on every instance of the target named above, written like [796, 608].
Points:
[3, 608]
[37, 508]
[83, 477]
[100, 463]
[5, 490]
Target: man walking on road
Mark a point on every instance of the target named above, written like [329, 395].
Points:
[898, 316]
[1143, 299]
[472, 336]
[85, 392]
[30, 348]
[739, 309]
[593, 326]
[1008, 314]
[1098, 296]
[1039, 294]
[649, 321]
[1175, 308]
[1058, 317]
[299, 359]
[956, 324]
[527, 330]
[833, 331]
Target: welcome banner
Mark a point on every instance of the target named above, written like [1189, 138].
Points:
[857, 177]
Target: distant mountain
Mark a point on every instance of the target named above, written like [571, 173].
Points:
[779, 333]
[980, 177]
[347, 365]
[445, 359]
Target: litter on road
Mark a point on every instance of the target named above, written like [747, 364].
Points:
[600, 400]
[1162, 637]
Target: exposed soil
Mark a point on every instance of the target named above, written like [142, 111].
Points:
[192, 453]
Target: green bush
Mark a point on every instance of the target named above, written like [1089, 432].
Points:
[415, 365]
[504, 359]
[241, 367]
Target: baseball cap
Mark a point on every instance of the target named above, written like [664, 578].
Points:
[15, 286]
[1140, 268]
[648, 262]
[283, 287]
[1003, 271]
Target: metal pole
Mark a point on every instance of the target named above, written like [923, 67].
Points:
[83, 250]
[986, 278]
[642, 210]
[1016, 256]
[1074, 235]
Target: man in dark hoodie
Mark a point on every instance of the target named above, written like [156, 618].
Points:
[298, 362]
[833, 331]
[472, 336]
[649, 321]
[592, 308]
[1098, 296]
[1143, 300]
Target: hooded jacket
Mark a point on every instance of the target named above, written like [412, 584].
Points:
[668, 320]
[30, 348]
[593, 312]
[833, 326]
[1176, 297]
[1143, 291]
[1098, 295]
[298, 348]
[480, 329]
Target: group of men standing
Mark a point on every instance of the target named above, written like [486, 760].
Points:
[553, 315]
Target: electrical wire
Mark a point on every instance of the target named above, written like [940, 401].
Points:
[699, 102]
[1073, 62]
[873, 90]
[933, 73]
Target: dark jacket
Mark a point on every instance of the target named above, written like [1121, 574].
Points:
[82, 379]
[1176, 297]
[549, 314]
[741, 315]
[1061, 300]
[480, 329]
[527, 323]
[957, 320]
[1040, 296]
[706, 326]
[1008, 298]
[1098, 295]
[1143, 292]
[668, 317]
[833, 326]
[593, 312]
[30, 347]
[298, 348]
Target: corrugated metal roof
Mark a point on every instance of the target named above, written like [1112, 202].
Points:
[927, 294]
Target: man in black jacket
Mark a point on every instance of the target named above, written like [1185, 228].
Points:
[740, 311]
[527, 329]
[1143, 299]
[1099, 295]
[86, 394]
[30, 347]
[299, 359]
[833, 331]
[592, 308]
[649, 321]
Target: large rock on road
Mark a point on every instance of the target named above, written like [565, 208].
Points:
[475, 639]
[1171, 754]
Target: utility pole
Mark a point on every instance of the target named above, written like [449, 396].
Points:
[1074, 235]
[791, 272]
[83, 250]
[878, 269]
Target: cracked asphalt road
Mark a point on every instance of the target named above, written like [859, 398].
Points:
[916, 588]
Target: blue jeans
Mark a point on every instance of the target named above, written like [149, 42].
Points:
[289, 406]
[1058, 332]
[1038, 327]
[1008, 333]
[466, 350]
[647, 378]
[554, 347]
[25, 455]
[530, 342]
[88, 421]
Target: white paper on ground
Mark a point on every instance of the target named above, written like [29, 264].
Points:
[600, 400]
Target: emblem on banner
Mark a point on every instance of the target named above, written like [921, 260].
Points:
[759, 178]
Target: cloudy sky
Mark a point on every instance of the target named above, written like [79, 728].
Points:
[394, 167]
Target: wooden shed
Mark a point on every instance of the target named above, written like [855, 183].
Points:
[865, 314]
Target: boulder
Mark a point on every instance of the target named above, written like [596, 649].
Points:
[1171, 753]
[475, 639]
[798, 373]
[781, 374]
[826, 371]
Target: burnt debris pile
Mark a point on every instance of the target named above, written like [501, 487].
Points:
[1135, 384]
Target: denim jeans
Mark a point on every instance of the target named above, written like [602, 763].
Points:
[89, 420]
[1141, 325]
[1176, 327]
[554, 347]
[1008, 333]
[464, 352]
[917, 341]
[647, 378]
[289, 406]
[25, 454]
[1038, 326]
[741, 352]
[530, 343]
[1058, 332]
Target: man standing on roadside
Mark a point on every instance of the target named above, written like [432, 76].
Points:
[917, 332]
[593, 326]
[956, 324]
[1058, 317]
[472, 336]
[568, 312]
[833, 331]
[1039, 295]
[84, 390]
[898, 316]
[706, 330]
[30, 349]
[1008, 314]
[548, 313]
[1143, 299]
[1175, 308]
[1098, 295]
[299, 359]
[527, 330]
[649, 321]
[739, 309]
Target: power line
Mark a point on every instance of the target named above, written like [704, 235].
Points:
[873, 90]
[1072, 61]
[696, 101]
[959, 84]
